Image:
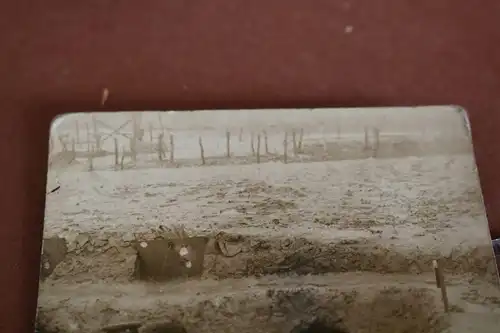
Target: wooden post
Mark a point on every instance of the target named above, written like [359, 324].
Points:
[116, 151]
[252, 147]
[135, 126]
[294, 143]
[172, 146]
[77, 132]
[133, 152]
[440, 283]
[301, 138]
[73, 151]
[97, 136]
[285, 148]
[122, 159]
[91, 158]
[161, 123]
[376, 132]
[63, 144]
[94, 123]
[202, 151]
[266, 146]
[366, 138]
[160, 147]
[87, 130]
[98, 142]
[228, 144]
[258, 148]
[150, 132]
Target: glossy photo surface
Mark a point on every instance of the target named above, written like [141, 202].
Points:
[290, 220]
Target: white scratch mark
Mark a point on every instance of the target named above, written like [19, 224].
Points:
[105, 95]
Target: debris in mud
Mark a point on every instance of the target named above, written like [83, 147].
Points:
[54, 250]
[54, 189]
[167, 259]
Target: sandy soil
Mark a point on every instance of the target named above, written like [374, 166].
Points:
[327, 240]
[402, 202]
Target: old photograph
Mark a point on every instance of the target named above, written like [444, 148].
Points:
[362, 220]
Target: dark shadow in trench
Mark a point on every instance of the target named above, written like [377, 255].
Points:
[318, 326]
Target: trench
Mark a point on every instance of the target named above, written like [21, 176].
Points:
[291, 285]
[112, 257]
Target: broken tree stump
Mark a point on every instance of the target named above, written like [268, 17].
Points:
[63, 143]
[376, 133]
[160, 147]
[202, 151]
[172, 146]
[87, 131]
[252, 147]
[91, 159]
[133, 150]
[365, 146]
[77, 131]
[258, 148]
[228, 144]
[122, 160]
[301, 138]
[285, 148]
[115, 140]
[294, 143]
[266, 146]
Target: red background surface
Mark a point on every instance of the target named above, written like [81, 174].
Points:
[57, 56]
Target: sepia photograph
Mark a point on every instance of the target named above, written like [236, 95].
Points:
[359, 220]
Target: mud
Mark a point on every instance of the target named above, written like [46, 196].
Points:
[113, 257]
[270, 304]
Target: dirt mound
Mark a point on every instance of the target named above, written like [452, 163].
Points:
[113, 257]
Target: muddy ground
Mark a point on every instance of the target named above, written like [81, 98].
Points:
[353, 302]
[321, 239]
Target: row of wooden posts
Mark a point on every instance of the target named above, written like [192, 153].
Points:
[255, 144]
[256, 141]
